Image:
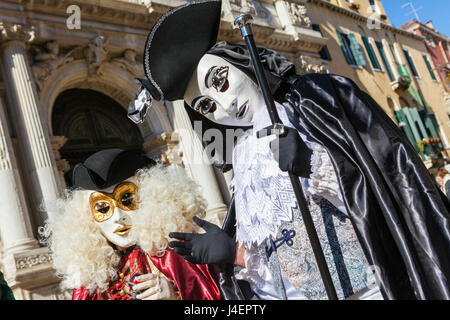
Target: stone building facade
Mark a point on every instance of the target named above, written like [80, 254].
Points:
[390, 64]
[438, 46]
[65, 89]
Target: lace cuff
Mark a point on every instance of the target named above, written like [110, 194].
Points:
[323, 181]
[255, 267]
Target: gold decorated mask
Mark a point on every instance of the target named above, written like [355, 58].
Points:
[124, 196]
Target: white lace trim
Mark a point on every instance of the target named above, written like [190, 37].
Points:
[263, 193]
[323, 180]
[255, 266]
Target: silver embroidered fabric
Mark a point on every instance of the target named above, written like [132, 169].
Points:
[266, 204]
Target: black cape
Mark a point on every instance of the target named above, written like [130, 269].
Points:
[401, 218]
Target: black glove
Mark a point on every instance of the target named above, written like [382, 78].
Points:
[292, 153]
[214, 246]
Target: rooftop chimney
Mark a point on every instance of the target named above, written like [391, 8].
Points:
[430, 25]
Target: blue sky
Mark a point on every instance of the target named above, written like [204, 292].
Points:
[436, 10]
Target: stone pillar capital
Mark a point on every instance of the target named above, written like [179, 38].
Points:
[166, 146]
[17, 32]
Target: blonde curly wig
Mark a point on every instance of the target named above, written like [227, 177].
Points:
[82, 257]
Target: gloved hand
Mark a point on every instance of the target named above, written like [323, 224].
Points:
[153, 287]
[214, 246]
[292, 153]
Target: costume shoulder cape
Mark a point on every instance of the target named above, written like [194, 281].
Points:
[401, 218]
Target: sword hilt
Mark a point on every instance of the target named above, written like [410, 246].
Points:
[243, 20]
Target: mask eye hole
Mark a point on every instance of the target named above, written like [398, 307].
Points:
[102, 207]
[204, 105]
[217, 77]
[128, 199]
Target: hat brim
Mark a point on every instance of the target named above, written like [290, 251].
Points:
[176, 44]
[108, 167]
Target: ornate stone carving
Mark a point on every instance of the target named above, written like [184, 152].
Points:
[430, 41]
[243, 6]
[166, 145]
[47, 61]
[128, 62]
[96, 54]
[33, 260]
[57, 143]
[10, 32]
[308, 64]
[298, 14]
[148, 4]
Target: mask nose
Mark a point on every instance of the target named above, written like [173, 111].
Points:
[233, 107]
[123, 218]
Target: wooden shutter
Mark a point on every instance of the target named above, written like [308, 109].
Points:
[324, 52]
[372, 56]
[385, 61]
[430, 69]
[346, 50]
[356, 50]
[411, 63]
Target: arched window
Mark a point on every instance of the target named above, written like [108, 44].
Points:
[92, 122]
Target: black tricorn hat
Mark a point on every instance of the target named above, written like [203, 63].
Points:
[107, 168]
[176, 44]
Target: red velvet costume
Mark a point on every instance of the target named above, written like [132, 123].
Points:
[194, 282]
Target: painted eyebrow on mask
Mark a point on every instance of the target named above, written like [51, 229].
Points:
[207, 77]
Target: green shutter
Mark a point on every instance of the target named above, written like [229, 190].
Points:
[419, 123]
[356, 50]
[411, 63]
[345, 49]
[324, 52]
[385, 61]
[416, 95]
[403, 71]
[430, 69]
[406, 128]
[412, 125]
[372, 56]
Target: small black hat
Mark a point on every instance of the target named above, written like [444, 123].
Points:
[176, 44]
[107, 168]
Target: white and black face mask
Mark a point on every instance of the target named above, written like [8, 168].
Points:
[223, 93]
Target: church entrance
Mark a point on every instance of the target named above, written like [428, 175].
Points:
[92, 122]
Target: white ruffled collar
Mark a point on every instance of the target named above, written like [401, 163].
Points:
[264, 196]
[263, 193]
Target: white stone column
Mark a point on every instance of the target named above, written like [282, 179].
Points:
[200, 171]
[15, 226]
[32, 133]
